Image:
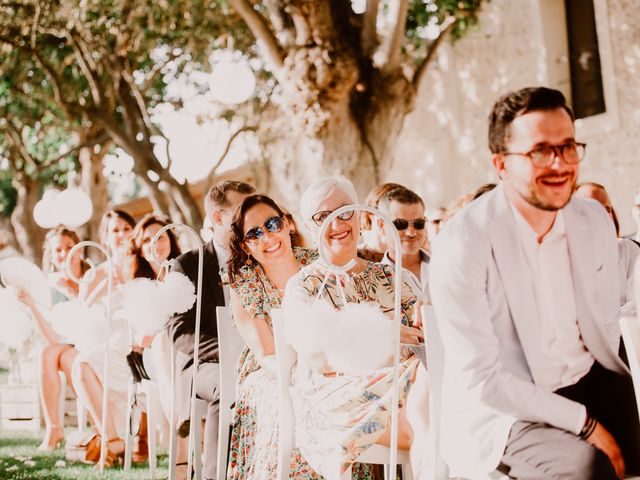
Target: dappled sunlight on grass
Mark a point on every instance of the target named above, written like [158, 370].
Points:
[20, 460]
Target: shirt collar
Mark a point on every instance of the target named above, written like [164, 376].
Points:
[557, 230]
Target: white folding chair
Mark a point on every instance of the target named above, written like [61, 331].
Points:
[230, 345]
[286, 359]
[143, 388]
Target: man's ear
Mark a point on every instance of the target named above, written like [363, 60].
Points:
[216, 217]
[380, 223]
[497, 159]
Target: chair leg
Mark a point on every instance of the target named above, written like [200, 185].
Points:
[62, 399]
[128, 438]
[224, 420]
[151, 432]
[173, 442]
[81, 416]
[197, 448]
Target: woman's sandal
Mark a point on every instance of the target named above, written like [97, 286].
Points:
[53, 438]
[114, 458]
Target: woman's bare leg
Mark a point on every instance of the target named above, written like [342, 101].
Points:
[50, 393]
[66, 363]
[89, 390]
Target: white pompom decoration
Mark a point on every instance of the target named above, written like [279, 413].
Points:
[149, 304]
[180, 290]
[22, 274]
[360, 340]
[354, 340]
[17, 326]
[85, 327]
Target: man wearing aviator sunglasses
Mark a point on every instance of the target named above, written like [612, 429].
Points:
[406, 208]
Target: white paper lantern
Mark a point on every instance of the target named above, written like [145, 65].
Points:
[44, 213]
[232, 82]
[73, 208]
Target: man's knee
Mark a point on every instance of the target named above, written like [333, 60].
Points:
[591, 464]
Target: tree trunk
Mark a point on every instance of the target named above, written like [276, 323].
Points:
[94, 184]
[341, 114]
[28, 234]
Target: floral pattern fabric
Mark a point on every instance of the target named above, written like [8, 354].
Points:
[338, 416]
[254, 435]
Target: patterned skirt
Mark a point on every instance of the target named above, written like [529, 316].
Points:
[254, 437]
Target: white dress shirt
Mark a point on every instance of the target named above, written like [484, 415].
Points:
[223, 258]
[565, 360]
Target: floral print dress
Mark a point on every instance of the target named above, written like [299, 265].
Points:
[340, 415]
[254, 435]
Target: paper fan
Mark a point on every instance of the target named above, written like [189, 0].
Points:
[16, 325]
[22, 274]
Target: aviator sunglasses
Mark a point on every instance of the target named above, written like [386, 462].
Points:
[274, 225]
[402, 224]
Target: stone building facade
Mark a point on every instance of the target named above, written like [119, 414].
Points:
[443, 151]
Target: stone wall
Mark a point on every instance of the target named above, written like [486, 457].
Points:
[443, 150]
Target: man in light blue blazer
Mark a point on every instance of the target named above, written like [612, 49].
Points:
[524, 282]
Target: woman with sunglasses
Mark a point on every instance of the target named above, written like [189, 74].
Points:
[340, 414]
[262, 261]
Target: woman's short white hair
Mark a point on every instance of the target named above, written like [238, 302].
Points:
[318, 191]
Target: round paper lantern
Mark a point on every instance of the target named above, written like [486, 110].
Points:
[232, 82]
[73, 207]
[44, 213]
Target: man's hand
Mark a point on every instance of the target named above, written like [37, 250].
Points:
[603, 440]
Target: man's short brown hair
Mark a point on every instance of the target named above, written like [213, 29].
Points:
[401, 195]
[216, 197]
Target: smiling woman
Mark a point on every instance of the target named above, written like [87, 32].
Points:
[262, 261]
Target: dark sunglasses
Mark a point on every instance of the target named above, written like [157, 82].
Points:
[402, 224]
[320, 217]
[273, 225]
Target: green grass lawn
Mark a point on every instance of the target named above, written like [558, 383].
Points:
[20, 460]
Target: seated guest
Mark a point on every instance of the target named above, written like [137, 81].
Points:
[628, 250]
[373, 239]
[155, 351]
[340, 414]
[406, 209]
[435, 221]
[262, 260]
[524, 281]
[116, 232]
[220, 204]
[56, 356]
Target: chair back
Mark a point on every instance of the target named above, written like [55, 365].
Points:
[285, 360]
[630, 329]
[230, 345]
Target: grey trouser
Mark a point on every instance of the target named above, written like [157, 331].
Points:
[539, 451]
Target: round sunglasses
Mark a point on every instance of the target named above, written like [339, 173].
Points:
[402, 224]
[320, 217]
[274, 225]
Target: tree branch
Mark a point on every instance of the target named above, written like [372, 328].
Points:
[18, 142]
[394, 49]
[86, 69]
[87, 143]
[445, 30]
[369, 34]
[264, 37]
[227, 148]
[34, 28]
